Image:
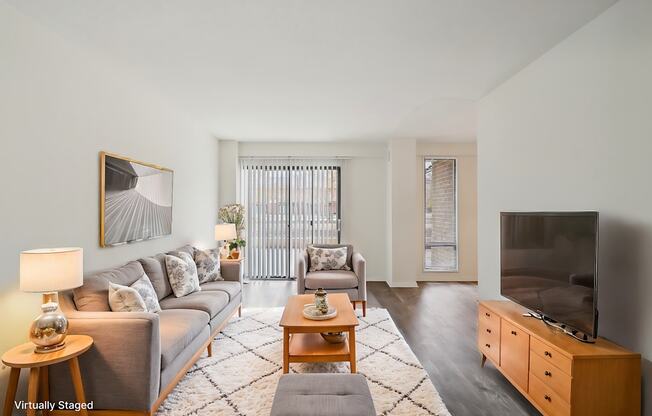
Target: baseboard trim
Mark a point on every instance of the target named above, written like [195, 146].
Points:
[444, 280]
[402, 284]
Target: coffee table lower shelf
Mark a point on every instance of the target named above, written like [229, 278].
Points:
[308, 348]
[312, 348]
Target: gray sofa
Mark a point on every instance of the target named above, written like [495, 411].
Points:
[353, 282]
[137, 357]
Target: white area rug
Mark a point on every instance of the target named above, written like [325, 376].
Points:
[240, 379]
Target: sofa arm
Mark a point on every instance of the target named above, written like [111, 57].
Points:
[123, 367]
[300, 270]
[230, 270]
[360, 270]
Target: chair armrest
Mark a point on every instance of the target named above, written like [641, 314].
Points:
[360, 270]
[230, 270]
[300, 270]
[123, 367]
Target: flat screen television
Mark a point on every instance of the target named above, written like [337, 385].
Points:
[549, 265]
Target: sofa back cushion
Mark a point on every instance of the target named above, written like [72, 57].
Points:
[188, 249]
[93, 296]
[349, 252]
[157, 272]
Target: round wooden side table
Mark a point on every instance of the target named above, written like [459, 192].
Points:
[23, 356]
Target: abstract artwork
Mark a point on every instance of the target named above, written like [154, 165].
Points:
[135, 200]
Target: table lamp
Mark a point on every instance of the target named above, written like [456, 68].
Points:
[225, 232]
[48, 271]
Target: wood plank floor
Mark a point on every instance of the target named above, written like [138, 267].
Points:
[438, 321]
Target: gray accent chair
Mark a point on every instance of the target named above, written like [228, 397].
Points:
[323, 395]
[137, 358]
[353, 282]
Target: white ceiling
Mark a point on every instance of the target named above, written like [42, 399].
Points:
[322, 69]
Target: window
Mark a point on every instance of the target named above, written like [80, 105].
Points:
[289, 204]
[440, 215]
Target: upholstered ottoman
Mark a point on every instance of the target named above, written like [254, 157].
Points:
[323, 395]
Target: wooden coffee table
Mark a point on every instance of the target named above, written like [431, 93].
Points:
[302, 342]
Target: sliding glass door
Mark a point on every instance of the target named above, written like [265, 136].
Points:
[289, 204]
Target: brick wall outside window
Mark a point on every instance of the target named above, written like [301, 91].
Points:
[440, 215]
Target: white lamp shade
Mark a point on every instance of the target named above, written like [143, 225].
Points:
[51, 269]
[225, 232]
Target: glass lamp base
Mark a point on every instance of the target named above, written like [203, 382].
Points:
[48, 330]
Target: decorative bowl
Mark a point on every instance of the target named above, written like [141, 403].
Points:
[311, 312]
[334, 337]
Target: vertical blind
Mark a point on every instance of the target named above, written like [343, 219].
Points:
[289, 204]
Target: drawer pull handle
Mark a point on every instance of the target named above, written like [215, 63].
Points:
[489, 331]
[487, 345]
[548, 373]
[547, 354]
[487, 314]
[547, 398]
[514, 333]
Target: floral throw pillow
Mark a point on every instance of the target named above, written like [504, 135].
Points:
[327, 258]
[146, 290]
[182, 273]
[208, 265]
[125, 299]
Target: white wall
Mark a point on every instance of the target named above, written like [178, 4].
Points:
[363, 191]
[467, 209]
[59, 106]
[402, 213]
[573, 131]
[228, 171]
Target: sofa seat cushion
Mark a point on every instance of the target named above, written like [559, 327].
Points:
[178, 328]
[354, 294]
[331, 279]
[211, 302]
[232, 288]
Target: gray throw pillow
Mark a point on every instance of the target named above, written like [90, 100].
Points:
[327, 258]
[125, 299]
[146, 290]
[182, 274]
[208, 265]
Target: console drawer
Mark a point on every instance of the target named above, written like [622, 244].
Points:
[547, 399]
[552, 356]
[489, 341]
[488, 318]
[551, 376]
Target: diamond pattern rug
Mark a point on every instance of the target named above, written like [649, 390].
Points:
[240, 379]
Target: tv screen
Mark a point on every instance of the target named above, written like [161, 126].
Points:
[548, 264]
[136, 200]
